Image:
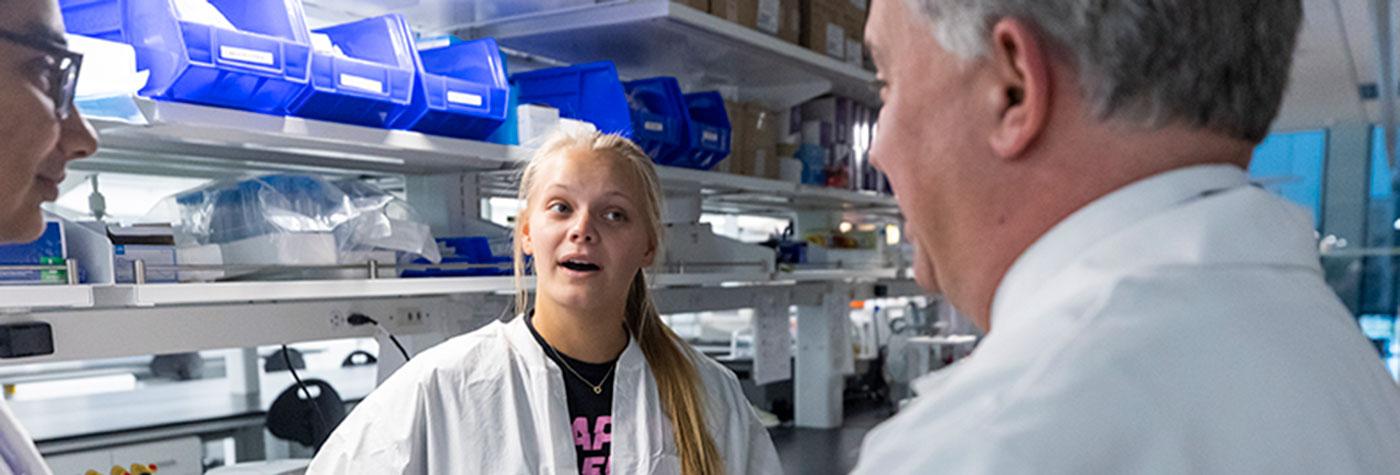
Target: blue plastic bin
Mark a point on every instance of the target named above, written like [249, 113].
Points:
[96, 18]
[464, 250]
[46, 250]
[589, 92]
[460, 91]
[660, 122]
[260, 67]
[371, 86]
[710, 130]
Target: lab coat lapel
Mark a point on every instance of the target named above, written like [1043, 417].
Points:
[548, 401]
[640, 428]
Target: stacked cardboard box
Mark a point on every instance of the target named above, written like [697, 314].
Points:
[835, 28]
[775, 17]
[702, 5]
[754, 151]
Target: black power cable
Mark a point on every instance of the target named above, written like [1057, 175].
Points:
[358, 319]
[286, 355]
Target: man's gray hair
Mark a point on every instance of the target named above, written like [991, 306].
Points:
[1222, 65]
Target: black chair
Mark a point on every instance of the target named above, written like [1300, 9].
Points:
[278, 362]
[359, 358]
[178, 366]
[294, 417]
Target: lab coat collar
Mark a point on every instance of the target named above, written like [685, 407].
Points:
[1067, 241]
[524, 343]
[547, 380]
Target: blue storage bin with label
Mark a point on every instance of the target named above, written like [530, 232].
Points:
[660, 122]
[96, 18]
[460, 91]
[361, 72]
[243, 54]
[589, 92]
[710, 130]
[48, 249]
[464, 250]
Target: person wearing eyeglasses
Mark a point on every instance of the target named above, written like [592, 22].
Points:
[40, 132]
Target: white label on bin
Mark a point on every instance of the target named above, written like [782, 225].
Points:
[835, 40]
[434, 43]
[361, 83]
[709, 136]
[654, 126]
[455, 97]
[768, 16]
[246, 55]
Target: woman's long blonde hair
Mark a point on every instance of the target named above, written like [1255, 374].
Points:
[677, 381]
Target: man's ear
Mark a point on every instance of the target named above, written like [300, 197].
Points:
[1021, 86]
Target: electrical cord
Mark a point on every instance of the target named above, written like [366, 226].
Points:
[358, 319]
[287, 356]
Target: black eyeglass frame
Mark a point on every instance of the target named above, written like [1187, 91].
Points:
[63, 80]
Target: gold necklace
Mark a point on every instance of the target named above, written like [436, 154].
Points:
[597, 388]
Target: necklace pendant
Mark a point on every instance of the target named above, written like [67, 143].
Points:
[597, 390]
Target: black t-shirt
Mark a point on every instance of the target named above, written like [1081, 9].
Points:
[590, 413]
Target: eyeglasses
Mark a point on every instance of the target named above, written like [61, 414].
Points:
[62, 73]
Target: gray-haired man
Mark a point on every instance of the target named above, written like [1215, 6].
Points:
[1072, 175]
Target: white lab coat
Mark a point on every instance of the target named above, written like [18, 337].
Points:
[491, 402]
[1179, 325]
[18, 455]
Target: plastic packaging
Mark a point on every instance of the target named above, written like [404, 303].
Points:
[298, 219]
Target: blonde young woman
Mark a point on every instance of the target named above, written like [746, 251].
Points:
[586, 380]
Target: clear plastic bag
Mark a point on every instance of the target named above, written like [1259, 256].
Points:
[297, 220]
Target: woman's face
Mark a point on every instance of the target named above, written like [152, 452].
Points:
[37, 145]
[586, 229]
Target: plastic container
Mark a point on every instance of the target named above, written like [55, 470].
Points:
[660, 122]
[100, 19]
[464, 250]
[243, 54]
[460, 91]
[588, 92]
[371, 83]
[710, 130]
[498, 9]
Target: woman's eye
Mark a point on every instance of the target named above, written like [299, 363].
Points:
[40, 71]
[559, 208]
[615, 216]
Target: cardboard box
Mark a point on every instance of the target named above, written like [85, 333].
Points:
[743, 12]
[755, 147]
[702, 5]
[735, 164]
[829, 26]
[762, 135]
[824, 24]
[769, 17]
[790, 21]
[855, 53]
[781, 18]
